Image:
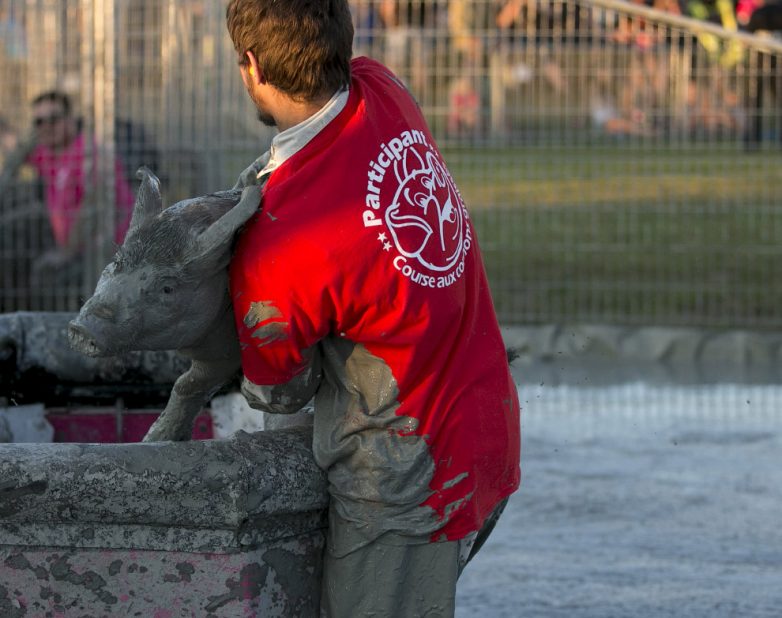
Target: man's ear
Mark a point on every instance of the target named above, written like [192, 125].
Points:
[253, 70]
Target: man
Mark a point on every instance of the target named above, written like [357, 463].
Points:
[360, 282]
[57, 149]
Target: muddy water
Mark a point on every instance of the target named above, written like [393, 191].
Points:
[639, 501]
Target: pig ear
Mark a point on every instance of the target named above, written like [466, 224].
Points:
[218, 236]
[148, 200]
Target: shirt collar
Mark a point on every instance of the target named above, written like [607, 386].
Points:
[289, 142]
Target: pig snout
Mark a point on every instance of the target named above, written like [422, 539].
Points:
[99, 310]
[82, 340]
[87, 333]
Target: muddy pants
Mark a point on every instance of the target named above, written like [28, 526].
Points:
[396, 578]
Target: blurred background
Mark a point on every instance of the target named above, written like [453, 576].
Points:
[620, 160]
[621, 163]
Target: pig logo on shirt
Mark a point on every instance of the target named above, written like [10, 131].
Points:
[425, 216]
[411, 194]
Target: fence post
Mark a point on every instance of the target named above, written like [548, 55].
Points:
[99, 81]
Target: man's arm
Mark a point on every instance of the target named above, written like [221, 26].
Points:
[289, 397]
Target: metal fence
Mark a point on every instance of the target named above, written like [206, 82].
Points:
[621, 162]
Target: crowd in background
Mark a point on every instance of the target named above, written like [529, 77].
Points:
[471, 64]
[489, 45]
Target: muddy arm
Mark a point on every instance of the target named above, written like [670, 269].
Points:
[286, 398]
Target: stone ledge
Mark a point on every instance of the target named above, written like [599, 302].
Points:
[168, 495]
[612, 354]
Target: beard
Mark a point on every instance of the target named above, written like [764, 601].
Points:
[265, 118]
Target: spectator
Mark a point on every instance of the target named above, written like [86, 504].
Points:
[642, 101]
[24, 226]
[526, 42]
[464, 111]
[744, 11]
[468, 23]
[759, 18]
[366, 19]
[756, 16]
[608, 118]
[57, 149]
[729, 52]
[407, 46]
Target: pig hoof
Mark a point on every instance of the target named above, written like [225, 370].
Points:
[158, 434]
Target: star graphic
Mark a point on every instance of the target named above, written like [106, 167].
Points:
[387, 246]
[381, 236]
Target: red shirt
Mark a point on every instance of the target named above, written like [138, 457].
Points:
[364, 240]
[63, 174]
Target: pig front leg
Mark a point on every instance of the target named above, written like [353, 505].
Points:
[191, 391]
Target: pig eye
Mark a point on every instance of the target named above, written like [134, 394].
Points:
[164, 287]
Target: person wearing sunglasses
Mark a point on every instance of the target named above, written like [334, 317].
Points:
[60, 152]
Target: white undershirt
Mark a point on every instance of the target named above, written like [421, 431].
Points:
[289, 142]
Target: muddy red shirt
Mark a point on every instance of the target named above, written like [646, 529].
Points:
[364, 251]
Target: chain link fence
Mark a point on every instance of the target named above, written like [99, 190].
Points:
[620, 161]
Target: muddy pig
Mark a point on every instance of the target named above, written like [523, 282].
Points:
[166, 289]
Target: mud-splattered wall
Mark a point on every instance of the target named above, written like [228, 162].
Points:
[205, 528]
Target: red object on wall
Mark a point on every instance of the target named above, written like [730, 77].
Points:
[94, 428]
[136, 424]
[110, 426]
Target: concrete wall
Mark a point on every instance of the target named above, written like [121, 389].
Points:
[37, 365]
[592, 354]
[206, 528]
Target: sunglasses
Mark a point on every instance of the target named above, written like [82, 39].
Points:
[49, 120]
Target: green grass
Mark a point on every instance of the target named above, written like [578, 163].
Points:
[628, 235]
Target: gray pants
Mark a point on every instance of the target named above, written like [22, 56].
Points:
[391, 578]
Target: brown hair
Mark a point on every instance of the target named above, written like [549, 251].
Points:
[303, 47]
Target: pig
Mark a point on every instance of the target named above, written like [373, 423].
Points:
[167, 288]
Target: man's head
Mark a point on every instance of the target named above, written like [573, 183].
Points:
[54, 125]
[300, 47]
